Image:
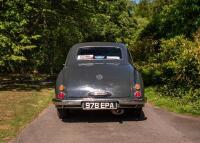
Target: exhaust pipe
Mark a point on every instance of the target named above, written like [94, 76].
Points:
[117, 111]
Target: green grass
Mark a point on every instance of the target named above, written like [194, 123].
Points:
[173, 104]
[17, 108]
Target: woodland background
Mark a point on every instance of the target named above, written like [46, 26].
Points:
[163, 36]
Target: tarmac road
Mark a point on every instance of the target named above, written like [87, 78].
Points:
[157, 126]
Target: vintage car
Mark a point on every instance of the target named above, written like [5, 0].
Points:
[99, 76]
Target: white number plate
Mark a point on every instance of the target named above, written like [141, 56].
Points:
[99, 105]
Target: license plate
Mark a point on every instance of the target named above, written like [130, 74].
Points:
[99, 105]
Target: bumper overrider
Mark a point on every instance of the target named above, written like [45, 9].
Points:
[121, 102]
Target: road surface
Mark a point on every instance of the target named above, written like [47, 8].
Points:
[157, 126]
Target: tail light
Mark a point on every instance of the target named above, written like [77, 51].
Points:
[137, 86]
[61, 87]
[137, 94]
[61, 94]
[137, 90]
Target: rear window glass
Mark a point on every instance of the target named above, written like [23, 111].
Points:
[99, 53]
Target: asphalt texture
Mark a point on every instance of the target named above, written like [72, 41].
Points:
[155, 126]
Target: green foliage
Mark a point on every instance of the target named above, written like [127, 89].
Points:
[173, 18]
[179, 61]
[37, 34]
[181, 69]
[16, 42]
[186, 104]
[163, 36]
[168, 20]
[180, 17]
[169, 47]
[151, 74]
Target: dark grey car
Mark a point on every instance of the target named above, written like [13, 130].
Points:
[99, 76]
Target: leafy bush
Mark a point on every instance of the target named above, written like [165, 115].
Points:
[180, 68]
[180, 56]
[167, 50]
[151, 73]
[179, 61]
[185, 104]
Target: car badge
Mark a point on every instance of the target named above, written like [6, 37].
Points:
[99, 77]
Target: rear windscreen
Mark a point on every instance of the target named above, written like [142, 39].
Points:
[99, 53]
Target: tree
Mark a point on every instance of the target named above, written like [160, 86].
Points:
[16, 41]
[37, 34]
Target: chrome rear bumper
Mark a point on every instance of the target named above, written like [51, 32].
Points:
[77, 102]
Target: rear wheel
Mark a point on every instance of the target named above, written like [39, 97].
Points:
[138, 112]
[63, 113]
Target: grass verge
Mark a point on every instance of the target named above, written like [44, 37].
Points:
[17, 108]
[173, 104]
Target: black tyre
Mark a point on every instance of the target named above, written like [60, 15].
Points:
[63, 113]
[138, 112]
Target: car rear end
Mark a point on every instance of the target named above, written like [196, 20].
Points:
[99, 77]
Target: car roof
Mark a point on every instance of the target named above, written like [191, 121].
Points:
[96, 44]
[72, 55]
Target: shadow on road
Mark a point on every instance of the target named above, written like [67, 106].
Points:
[102, 116]
[25, 82]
